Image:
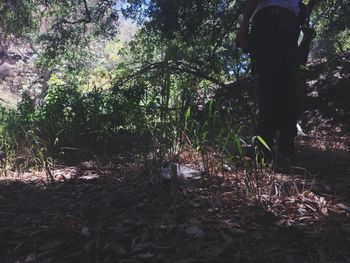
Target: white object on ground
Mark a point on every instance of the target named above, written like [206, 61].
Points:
[300, 131]
[183, 172]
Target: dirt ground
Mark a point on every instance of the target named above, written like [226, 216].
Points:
[113, 211]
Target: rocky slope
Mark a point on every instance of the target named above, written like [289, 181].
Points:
[18, 73]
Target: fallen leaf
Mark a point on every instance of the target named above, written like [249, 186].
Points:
[194, 230]
[344, 206]
[146, 256]
[187, 260]
[281, 222]
[324, 210]
[216, 248]
[30, 259]
[85, 231]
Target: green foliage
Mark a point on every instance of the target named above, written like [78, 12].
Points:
[263, 152]
[68, 117]
[332, 21]
[199, 35]
[16, 16]
[215, 133]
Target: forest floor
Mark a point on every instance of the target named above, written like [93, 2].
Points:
[111, 211]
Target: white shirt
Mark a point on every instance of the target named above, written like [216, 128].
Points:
[292, 5]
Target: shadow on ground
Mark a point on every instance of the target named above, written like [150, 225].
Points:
[118, 214]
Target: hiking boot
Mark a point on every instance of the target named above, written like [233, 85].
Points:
[286, 147]
[285, 155]
[284, 163]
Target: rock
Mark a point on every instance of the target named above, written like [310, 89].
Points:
[6, 69]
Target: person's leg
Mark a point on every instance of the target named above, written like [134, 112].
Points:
[275, 54]
[267, 116]
[287, 119]
[265, 59]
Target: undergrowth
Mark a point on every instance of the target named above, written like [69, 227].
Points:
[160, 126]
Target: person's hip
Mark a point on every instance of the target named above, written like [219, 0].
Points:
[275, 11]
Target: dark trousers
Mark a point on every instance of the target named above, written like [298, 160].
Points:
[274, 36]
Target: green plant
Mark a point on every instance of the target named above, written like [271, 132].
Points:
[263, 153]
[215, 137]
[40, 153]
